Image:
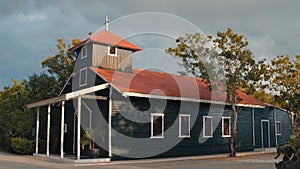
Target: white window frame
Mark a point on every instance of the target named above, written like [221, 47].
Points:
[108, 51]
[211, 127]
[162, 125]
[83, 55]
[189, 126]
[223, 118]
[278, 134]
[85, 81]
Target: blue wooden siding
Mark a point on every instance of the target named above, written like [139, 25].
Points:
[286, 126]
[269, 114]
[186, 146]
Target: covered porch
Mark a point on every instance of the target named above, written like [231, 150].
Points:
[63, 141]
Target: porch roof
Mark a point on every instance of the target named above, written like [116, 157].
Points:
[46, 102]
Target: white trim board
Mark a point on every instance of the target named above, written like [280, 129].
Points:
[85, 91]
[262, 133]
[133, 94]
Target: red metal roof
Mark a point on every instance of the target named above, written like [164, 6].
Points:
[164, 84]
[108, 38]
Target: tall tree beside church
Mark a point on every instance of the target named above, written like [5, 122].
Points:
[286, 83]
[61, 65]
[225, 58]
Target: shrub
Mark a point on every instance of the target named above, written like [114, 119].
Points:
[22, 145]
[291, 154]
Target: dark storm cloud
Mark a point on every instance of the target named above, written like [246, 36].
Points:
[30, 28]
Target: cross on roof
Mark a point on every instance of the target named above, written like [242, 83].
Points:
[106, 23]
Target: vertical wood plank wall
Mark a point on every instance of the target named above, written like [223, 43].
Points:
[120, 62]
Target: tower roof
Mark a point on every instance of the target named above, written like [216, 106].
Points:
[108, 38]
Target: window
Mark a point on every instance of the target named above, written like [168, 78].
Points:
[278, 128]
[184, 125]
[157, 126]
[226, 127]
[207, 127]
[82, 77]
[83, 52]
[112, 51]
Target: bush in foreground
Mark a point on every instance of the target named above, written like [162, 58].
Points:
[22, 145]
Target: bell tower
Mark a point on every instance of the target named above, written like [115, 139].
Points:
[105, 50]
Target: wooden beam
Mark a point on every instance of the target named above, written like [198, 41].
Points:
[85, 91]
[46, 102]
[93, 97]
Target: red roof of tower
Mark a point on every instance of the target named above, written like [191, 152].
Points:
[111, 39]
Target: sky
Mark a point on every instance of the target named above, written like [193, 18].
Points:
[29, 29]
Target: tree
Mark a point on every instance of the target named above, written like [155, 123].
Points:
[225, 60]
[61, 65]
[41, 86]
[285, 83]
[15, 120]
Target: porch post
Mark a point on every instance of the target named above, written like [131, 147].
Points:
[74, 132]
[48, 130]
[62, 129]
[275, 127]
[109, 121]
[37, 131]
[78, 127]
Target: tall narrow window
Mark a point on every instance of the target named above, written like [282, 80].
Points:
[278, 128]
[83, 77]
[184, 125]
[207, 127]
[112, 50]
[226, 127]
[157, 126]
[83, 52]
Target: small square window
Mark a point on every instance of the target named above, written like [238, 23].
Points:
[83, 77]
[226, 127]
[83, 52]
[157, 126]
[207, 127]
[184, 125]
[278, 128]
[112, 50]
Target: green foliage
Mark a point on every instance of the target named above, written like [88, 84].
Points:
[291, 154]
[15, 120]
[286, 82]
[89, 137]
[61, 65]
[196, 54]
[41, 86]
[22, 145]
[224, 62]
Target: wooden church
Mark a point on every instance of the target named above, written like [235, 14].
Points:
[128, 113]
